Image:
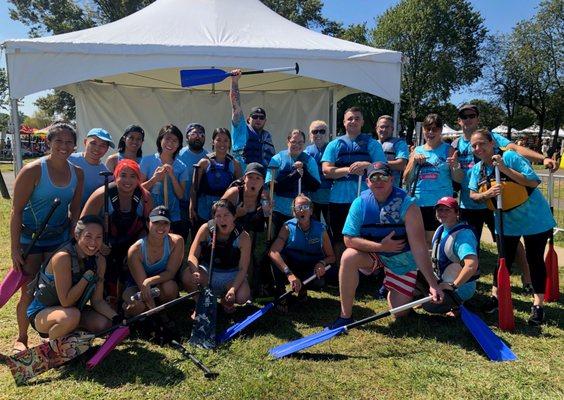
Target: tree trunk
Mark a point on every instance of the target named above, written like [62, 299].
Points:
[556, 130]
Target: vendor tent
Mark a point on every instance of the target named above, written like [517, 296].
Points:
[502, 129]
[128, 71]
[448, 131]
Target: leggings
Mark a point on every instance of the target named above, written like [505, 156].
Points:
[534, 250]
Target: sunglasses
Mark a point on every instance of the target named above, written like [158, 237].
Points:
[467, 116]
[258, 116]
[302, 207]
[318, 131]
[379, 177]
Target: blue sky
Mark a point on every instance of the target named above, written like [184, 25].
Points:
[499, 16]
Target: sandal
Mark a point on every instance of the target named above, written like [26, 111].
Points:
[18, 347]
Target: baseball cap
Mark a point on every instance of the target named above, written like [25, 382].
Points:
[159, 213]
[255, 168]
[378, 168]
[468, 107]
[102, 134]
[258, 110]
[195, 125]
[447, 201]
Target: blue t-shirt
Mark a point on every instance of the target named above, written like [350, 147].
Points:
[467, 161]
[92, 178]
[531, 217]
[401, 263]
[321, 195]
[148, 166]
[284, 204]
[434, 177]
[399, 150]
[344, 191]
[189, 158]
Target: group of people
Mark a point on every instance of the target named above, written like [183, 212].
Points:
[122, 226]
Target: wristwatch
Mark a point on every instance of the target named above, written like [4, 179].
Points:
[287, 271]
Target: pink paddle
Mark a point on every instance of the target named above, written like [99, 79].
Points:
[115, 338]
[10, 285]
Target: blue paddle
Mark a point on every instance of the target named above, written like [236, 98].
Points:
[237, 327]
[493, 346]
[195, 77]
[308, 341]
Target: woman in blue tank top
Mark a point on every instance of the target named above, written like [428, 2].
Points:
[216, 171]
[129, 147]
[302, 248]
[153, 262]
[430, 171]
[37, 184]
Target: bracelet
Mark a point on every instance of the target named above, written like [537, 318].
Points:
[322, 262]
[287, 271]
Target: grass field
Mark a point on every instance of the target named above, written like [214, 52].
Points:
[420, 357]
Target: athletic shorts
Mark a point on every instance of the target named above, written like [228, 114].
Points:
[429, 219]
[404, 284]
[337, 216]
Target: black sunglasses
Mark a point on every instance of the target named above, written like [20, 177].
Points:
[467, 116]
[258, 116]
[318, 131]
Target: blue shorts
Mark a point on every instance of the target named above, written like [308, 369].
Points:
[221, 279]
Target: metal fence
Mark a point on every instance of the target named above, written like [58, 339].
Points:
[557, 194]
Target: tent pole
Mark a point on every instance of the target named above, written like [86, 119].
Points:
[14, 125]
[396, 119]
[332, 114]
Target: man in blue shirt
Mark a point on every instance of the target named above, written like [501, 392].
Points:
[384, 228]
[395, 148]
[251, 142]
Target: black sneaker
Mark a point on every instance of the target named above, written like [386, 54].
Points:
[340, 322]
[490, 306]
[537, 316]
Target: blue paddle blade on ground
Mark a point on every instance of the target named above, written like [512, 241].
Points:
[492, 345]
[195, 77]
[307, 341]
[237, 327]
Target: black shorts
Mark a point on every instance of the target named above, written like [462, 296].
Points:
[476, 218]
[429, 220]
[31, 319]
[337, 216]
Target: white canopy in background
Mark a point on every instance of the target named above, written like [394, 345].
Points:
[128, 71]
[531, 129]
[503, 129]
[448, 131]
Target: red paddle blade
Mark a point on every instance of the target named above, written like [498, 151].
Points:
[506, 319]
[115, 338]
[551, 292]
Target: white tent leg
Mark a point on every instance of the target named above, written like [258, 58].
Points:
[332, 115]
[396, 119]
[17, 143]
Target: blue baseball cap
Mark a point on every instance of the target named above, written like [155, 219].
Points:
[102, 134]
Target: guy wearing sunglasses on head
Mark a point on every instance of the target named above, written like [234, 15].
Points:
[384, 229]
[251, 142]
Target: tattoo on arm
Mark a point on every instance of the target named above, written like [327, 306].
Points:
[237, 112]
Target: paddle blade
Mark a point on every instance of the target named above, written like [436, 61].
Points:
[115, 338]
[195, 77]
[493, 346]
[10, 285]
[308, 341]
[551, 292]
[505, 310]
[29, 363]
[203, 331]
[237, 327]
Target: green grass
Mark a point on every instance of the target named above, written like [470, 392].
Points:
[420, 357]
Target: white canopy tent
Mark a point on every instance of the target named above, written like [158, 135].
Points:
[503, 129]
[531, 129]
[448, 131]
[128, 71]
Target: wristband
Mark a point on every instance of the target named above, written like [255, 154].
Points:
[322, 262]
[453, 286]
[287, 271]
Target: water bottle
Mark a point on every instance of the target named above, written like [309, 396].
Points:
[265, 202]
[155, 292]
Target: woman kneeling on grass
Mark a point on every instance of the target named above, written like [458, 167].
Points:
[302, 247]
[153, 262]
[230, 262]
[454, 256]
[73, 276]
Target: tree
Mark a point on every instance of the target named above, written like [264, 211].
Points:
[491, 115]
[58, 104]
[38, 120]
[4, 97]
[441, 40]
[306, 13]
[357, 33]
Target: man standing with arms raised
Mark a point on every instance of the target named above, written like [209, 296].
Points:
[251, 142]
[395, 148]
[345, 160]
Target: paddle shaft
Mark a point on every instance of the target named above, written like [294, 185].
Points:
[165, 190]
[498, 216]
[262, 71]
[196, 185]
[358, 185]
[271, 194]
[106, 175]
[308, 280]
[35, 237]
[389, 312]
[207, 372]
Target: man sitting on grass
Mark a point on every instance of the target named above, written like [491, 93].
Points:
[384, 228]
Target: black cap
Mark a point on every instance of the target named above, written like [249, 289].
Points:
[159, 213]
[258, 110]
[468, 107]
[195, 125]
[255, 168]
[378, 168]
